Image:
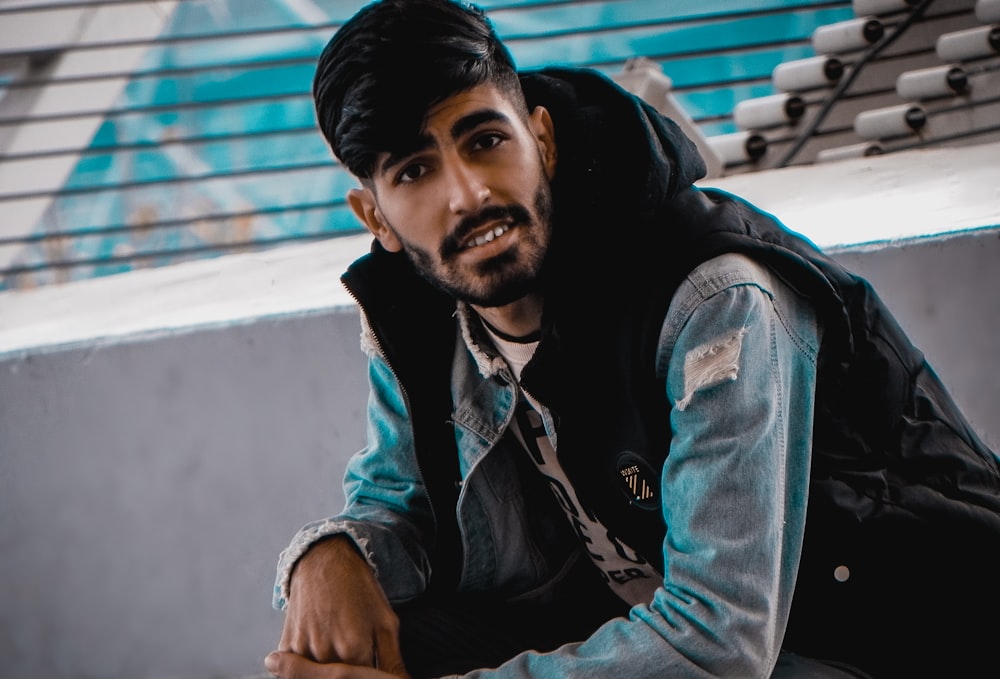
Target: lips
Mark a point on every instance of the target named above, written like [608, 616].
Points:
[484, 227]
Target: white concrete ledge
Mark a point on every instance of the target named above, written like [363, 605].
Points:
[296, 279]
[880, 199]
[848, 204]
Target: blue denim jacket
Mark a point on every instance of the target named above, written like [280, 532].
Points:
[738, 348]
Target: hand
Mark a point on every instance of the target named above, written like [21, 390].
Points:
[291, 666]
[338, 613]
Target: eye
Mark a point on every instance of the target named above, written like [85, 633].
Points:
[487, 141]
[411, 173]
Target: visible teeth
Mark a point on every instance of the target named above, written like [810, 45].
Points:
[489, 235]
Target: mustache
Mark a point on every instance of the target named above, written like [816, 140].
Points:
[515, 214]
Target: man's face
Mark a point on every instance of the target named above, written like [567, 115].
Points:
[471, 206]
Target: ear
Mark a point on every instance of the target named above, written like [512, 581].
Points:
[540, 124]
[365, 207]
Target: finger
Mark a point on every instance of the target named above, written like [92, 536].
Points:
[319, 651]
[295, 640]
[353, 647]
[285, 643]
[294, 666]
[388, 655]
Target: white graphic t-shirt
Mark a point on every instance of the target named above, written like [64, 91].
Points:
[626, 573]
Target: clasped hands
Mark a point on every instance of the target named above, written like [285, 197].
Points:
[338, 624]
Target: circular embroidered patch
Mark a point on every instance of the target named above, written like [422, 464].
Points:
[637, 480]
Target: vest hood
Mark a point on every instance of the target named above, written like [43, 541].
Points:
[620, 167]
[613, 147]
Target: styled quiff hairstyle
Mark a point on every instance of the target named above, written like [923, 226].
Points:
[391, 62]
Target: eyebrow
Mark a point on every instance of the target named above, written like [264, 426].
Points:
[460, 127]
[475, 119]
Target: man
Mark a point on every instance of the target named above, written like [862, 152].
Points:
[618, 426]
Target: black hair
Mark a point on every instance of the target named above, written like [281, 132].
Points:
[384, 69]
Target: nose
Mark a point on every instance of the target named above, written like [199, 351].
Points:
[468, 191]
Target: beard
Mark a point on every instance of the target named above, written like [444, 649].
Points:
[503, 278]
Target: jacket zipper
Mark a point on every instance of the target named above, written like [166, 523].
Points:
[431, 500]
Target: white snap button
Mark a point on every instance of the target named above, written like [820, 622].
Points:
[841, 573]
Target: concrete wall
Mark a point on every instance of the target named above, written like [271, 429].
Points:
[146, 489]
[147, 486]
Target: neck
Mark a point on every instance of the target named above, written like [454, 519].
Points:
[520, 318]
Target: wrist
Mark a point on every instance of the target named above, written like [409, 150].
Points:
[333, 553]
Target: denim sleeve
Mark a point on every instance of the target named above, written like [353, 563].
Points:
[738, 353]
[386, 514]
